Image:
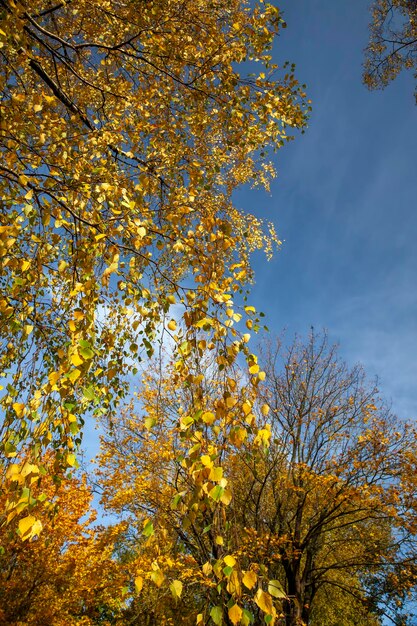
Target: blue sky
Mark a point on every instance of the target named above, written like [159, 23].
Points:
[345, 204]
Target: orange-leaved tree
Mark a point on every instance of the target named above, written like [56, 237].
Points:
[125, 129]
[65, 574]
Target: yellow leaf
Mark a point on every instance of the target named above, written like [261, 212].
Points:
[76, 359]
[263, 436]
[36, 528]
[157, 577]
[176, 589]
[226, 497]
[29, 468]
[138, 584]
[264, 601]
[230, 402]
[246, 407]
[230, 560]
[53, 377]
[254, 369]
[12, 471]
[172, 325]
[25, 526]
[249, 579]
[74, 375]
[19, 408]
[71, 459]
[235, 614]
[233, 585]
[216, 474]
[204, 322]
[265, 409]
[208, 417]
[238, 436]
[25, 265]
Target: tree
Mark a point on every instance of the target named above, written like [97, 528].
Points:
[65, 574]
[327, 504]
[393, 42]
[162, 468]
[303, 514]
[125, 129]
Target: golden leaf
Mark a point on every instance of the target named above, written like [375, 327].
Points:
[264, 601]
[138, 584]
[233, 585]
[76, 359]
[19, 408]
[25, 526]
[249, 579]
[230, 560]
[235, 614]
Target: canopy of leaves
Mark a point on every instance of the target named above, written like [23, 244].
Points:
[66, 573]
[125, 128]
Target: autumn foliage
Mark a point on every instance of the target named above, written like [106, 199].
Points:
[66, 574]
[239, 492]
[125, 130]
[319, 502]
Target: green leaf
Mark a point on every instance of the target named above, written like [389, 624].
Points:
[73, 427]
[216, 615]
[148, 529]
[87, 353]
[247, 618]
[9, 449]
[216, 493]
[175, 501]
